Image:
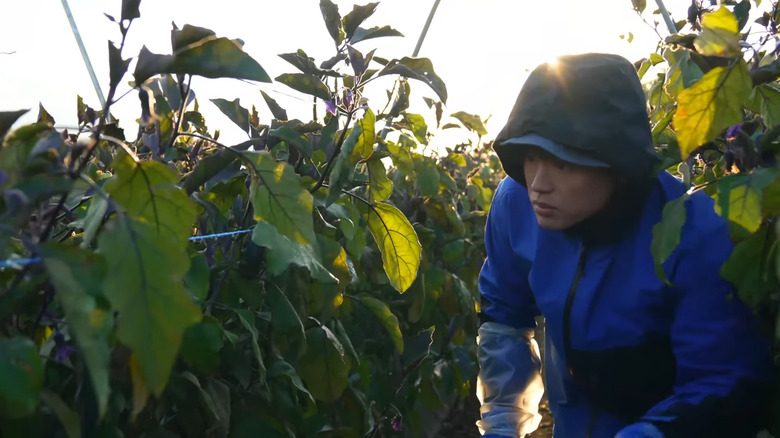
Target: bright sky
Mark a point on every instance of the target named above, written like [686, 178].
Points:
[481, 49]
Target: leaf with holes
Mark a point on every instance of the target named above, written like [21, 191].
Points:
[279, 199]
[147, 265]
[398, 243]
[325, 366]
[711, 105]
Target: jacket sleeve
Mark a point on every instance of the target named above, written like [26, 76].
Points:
[509, 384]
[723, 363]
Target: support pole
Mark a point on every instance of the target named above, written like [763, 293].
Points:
[667, 17]
[425, 29]
[84, 54]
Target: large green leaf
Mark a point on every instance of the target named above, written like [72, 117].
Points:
[147, 192]
[325, 366]
[21, 377]
[235, 112]
[77, 275]
[356, 17]
[746, 268]
[211, 57]
[284, 252]
[428, 180]
[711, 105]
[770, 104]
[145, 284]
[305, 83]
[386, 317]
[719, 34]
[398, 243]
[417, 68]
[471, 121]
[740, 197]
[188, 34]
[666, 233]
[379, 185]
[362, 34]
[279, 199]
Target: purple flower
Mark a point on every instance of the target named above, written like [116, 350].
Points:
[331, 107]
[63, 349]
[350, 99]
[732, 132]
[396, 423]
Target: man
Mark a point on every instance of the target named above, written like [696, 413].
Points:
[568, 237]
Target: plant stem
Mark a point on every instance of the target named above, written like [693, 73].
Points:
[185, 96]
[336, 153]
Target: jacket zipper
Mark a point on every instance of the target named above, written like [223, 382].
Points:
[568, 306]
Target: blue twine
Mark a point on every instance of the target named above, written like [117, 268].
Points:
[31, 261]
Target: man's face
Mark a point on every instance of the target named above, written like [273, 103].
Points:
[564, 194]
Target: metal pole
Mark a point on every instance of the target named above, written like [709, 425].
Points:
[425, 29]
[84, 54]
[667, 17]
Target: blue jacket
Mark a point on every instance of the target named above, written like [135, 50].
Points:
[621, 347]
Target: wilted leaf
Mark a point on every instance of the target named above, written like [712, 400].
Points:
[305, 83]
[398, 243]
[77, 275]
[420, 69]
[235, 112]
[386, 317]
[719, 34]
[325, 366]
[362, 34]
[471, 121]
[21, 377]
[211, 57]
[145, 284]
[666, 234]
[284, 252]
[711, 105]
[279, 199]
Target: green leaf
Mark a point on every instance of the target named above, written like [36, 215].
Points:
[428, 180]
[235, 112]
[362, 34]
[282, 368]
[130, 9]
[356, 17]
[365, 145]
[197, 278]
[294, 138]
[305, 83]
[330, 13]
[277, 111]
[201, 345]
[145, 284]
[746, 268]
[21, 377]
[719, 35]
[279, 199]
[98, 206]
[343, 337]
[457, 159]
[386, 317]
[189, 34]
[211, 57]
[666, 233]
[416, 124]
[683, 71]
[335, 258]
[417, 347]
[420, 69]
[742, 13]
[711, 105]
[639, 5]
[77, 275]
[284, 318]
[471, 121]
[398, 243]
[740, 197]
[656, 59]
[770, 104]
[344, 165]
[207, 168]
[379, 185]
[67, 416]
[117, 65]
[325, 366]
[247, 319]
[7, 119]
[147, 192]
[284, 252]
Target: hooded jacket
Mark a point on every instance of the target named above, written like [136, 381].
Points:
[623, 350]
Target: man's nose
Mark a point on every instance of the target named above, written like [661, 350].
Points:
[542, 180]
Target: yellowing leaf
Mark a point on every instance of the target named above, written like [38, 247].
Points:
[145, 284]
[140, 390]
[719, 35]
[386, 317]
[740, 198]
[379, 185]
[682, 73]
[711, 105]
[398, 243]
[365, 145]
[279, 199]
